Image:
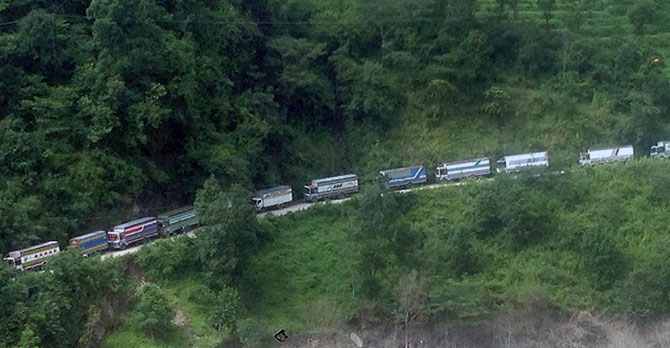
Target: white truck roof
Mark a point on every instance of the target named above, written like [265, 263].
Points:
[525, 156]
[84, 236]
[626, 150]
[334, 178]
[261, 193]
[134, 222]
[18, 253]
[464, 163]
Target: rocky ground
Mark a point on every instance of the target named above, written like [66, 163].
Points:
[581, 330]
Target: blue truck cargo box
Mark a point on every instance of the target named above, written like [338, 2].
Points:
[399, 177]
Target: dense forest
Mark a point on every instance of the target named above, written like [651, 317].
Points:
[113, 108]
[108, 104]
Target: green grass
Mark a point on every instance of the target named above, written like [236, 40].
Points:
[181, 291]
[307, 269]
[540, 119]
[310, 258]
[303, 280]
[126, 336]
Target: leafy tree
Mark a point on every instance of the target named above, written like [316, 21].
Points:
[546, 6]
[469, 62]
[538, 53]
[378, 211]
[385, 242]
[306, 89]
[372, 92]
[498, 104]
[28, 340]
[229, 229]
[601, 258]
[153, 313]
[165, 258]
[643, 12]
[461, 258]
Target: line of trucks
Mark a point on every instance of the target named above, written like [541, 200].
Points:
[336, 187]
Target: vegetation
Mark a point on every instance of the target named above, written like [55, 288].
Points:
[600, 245]
[110, 104]
[58, 307]
[476, 252]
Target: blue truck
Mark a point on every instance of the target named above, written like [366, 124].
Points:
[404, 177]
[90, 242]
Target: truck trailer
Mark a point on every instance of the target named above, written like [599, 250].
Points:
[33, 257]
[274, 197]
[661, 149]
[90, 242]
[403, 177]
[613, 154]
[177, 221]
[515, 163]
[126, 234]
[463, 169]
[336, 186]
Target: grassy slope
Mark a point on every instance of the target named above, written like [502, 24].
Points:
[181, 292]
[305, 272]
[308, 261]
[303, 279]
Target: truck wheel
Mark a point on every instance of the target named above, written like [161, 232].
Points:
[123, 247]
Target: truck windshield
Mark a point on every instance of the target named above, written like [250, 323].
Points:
[308, 190]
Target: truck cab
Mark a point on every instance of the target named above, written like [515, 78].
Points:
[584, 156]
[116, 239]
[661, 149]
[14, 263]
[501, 165]
[311, 193]
[258, 202]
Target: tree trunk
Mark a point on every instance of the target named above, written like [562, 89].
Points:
[407, 329]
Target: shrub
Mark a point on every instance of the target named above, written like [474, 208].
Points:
[153, 313]
[252, 333]
[225, 309]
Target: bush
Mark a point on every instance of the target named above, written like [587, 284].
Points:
[164, 258]
[153, 313]
[253, 334]
[226, 309]
[601, 258]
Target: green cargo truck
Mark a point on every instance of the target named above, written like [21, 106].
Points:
[177, 221]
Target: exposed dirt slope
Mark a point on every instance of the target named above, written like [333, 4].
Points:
[580, 330]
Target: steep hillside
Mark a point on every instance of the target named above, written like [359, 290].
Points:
[540, 249]
[109, 106]
[112, 108]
